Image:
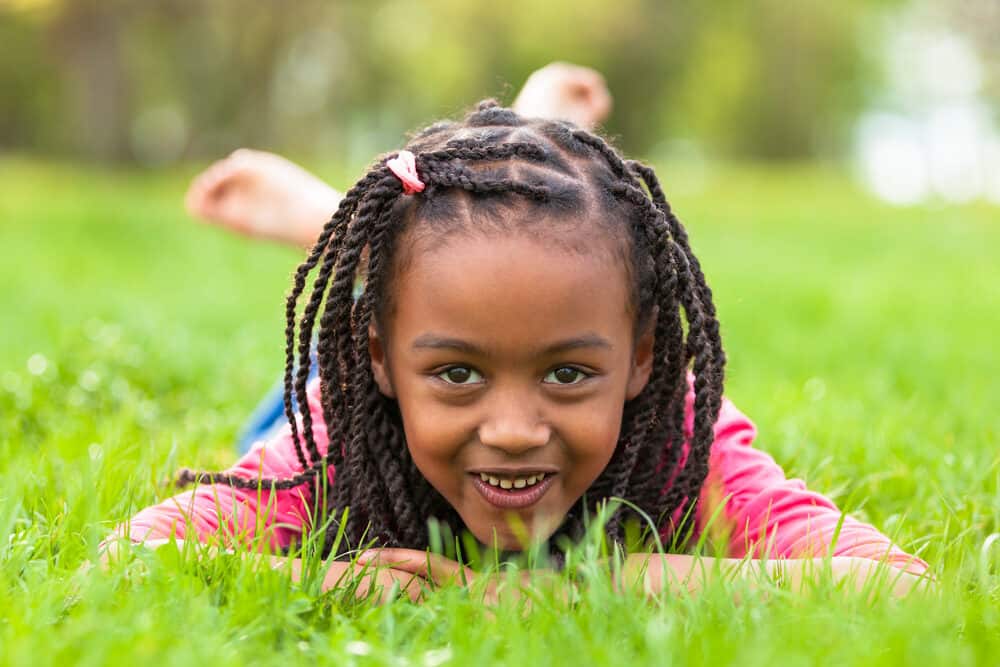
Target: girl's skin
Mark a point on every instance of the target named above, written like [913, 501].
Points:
[479, 395]
[383, 572]
[263, 195]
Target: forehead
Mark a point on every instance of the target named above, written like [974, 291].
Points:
[510, 291]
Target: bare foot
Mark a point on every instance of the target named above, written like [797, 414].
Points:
[563, 91]
[262, 195]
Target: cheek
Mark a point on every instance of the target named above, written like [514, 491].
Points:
[435, 438]
[591, 436]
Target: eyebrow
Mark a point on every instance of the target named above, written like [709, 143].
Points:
[429, 341]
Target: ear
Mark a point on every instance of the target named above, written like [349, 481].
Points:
[642, 362]
[376, 350]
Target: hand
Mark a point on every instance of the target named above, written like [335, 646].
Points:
[384, 582]
[441, 571]
[263, 195]
[561, 91]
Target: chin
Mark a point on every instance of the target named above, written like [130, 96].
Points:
[504, 537]
[496, 537]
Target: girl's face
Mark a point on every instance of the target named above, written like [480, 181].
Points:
[511, 359]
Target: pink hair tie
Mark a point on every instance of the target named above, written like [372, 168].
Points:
[404, 165]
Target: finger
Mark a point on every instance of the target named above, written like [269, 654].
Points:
[383, 556]
[407, 560]
[388, 583]
[434, 567]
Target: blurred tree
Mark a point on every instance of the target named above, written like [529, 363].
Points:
[29, 84]
[87, 42]
[158, 80]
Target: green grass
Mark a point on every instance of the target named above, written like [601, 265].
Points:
[860, 339]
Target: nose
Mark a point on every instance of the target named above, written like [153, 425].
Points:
[514, 425]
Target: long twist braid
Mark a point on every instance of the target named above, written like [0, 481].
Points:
[703, 345]
[331, 230]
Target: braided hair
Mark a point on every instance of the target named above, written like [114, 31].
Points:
[493, 168]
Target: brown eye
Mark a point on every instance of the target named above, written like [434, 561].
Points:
[460, 375]
[565, 375]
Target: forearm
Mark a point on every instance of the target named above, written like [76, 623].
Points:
[682, 573]
[223, 514]
[370, 580]
[241, 516]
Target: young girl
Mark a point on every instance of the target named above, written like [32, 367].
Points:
[534, 336]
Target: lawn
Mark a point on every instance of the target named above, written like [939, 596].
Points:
[860, 337]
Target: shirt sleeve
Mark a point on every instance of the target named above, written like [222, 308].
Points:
[748, 503]
[241, 515]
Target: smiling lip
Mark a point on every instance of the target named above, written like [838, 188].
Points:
[521, 471]
[509, 499]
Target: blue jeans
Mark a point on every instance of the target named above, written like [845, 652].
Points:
[269, 415]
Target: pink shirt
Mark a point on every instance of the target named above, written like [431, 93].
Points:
[764, 512]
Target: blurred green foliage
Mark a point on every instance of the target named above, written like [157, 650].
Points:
[160, 80]
[858, 338]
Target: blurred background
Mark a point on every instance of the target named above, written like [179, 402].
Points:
[904, 91]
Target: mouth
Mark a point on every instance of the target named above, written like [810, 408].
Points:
[512, 490]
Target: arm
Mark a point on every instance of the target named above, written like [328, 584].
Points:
[242, 514]
[657, 573]
[382, 582]
[680, 573]
[763, 513]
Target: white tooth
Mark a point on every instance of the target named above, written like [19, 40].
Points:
[532, 480]
[520, 483]
[494, 481]
[541, 476]
[483, 476]
[505, 484]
